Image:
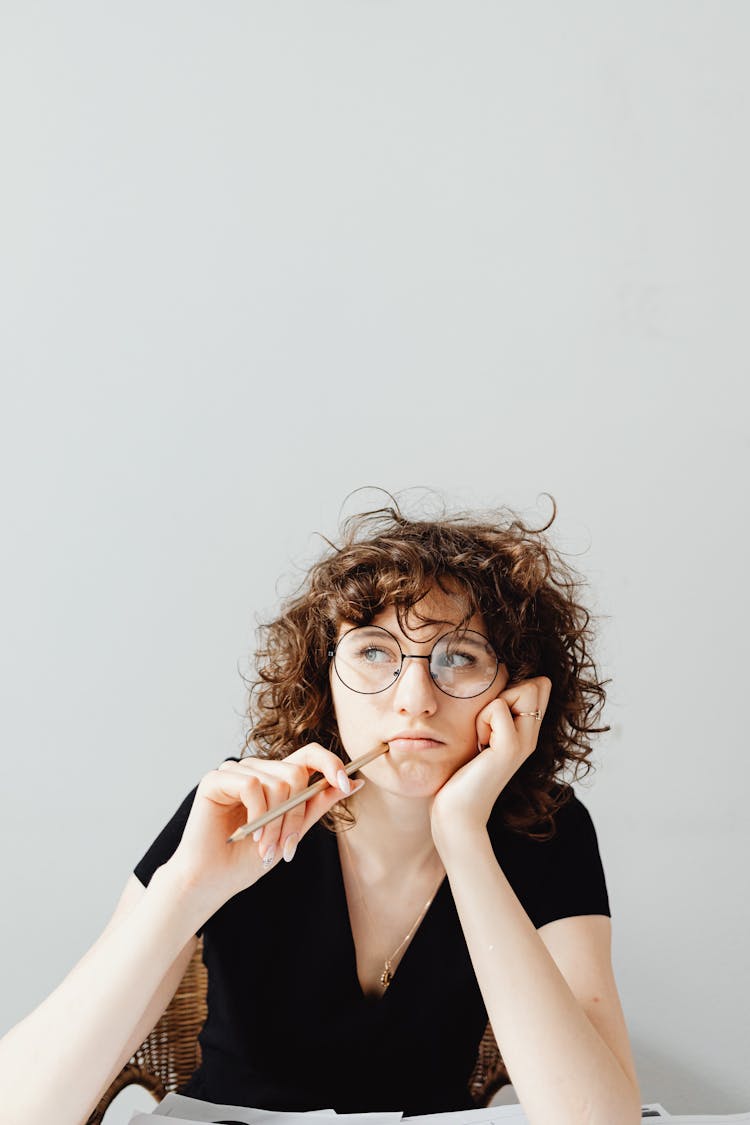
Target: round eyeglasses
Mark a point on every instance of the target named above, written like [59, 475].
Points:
[368, 659]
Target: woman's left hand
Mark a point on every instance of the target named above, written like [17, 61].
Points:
[505, 739]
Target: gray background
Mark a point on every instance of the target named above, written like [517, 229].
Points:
[257, 255]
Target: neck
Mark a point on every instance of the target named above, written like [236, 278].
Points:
[392, 834]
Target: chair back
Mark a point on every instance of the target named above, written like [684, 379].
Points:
[171, 1051]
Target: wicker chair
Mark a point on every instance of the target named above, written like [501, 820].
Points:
[171, 1052]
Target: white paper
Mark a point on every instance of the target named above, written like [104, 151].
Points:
[491, 1115]
[505, 1114]
[193, 1109]
[181, 1110]
[710, 1119]
[497, 1113]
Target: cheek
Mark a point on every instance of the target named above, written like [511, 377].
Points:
[354, 713]
[468, 721]
[338, 698]
[469, 743]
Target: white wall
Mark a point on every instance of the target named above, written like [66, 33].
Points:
[255, 255]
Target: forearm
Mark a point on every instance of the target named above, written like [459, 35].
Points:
[55, 1064]
[561, 1068]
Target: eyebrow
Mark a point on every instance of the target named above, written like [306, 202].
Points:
[440, 628]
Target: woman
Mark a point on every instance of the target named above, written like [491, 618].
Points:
[357, 945]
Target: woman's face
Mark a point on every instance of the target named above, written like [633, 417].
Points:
[438, 731]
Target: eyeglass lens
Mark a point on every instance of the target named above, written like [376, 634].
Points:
[462, 663]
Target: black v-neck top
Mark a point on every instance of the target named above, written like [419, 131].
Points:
[288, 1025]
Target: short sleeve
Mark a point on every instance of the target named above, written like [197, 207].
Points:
[557, 878]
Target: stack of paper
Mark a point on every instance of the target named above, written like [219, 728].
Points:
[186, 1111]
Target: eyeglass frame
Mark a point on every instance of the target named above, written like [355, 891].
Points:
[413, 656]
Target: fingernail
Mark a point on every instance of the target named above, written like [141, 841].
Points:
[257, 834]
[268, 858]
[343, 782]
[290, 846]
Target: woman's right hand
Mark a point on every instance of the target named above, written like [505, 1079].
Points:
[234, 794]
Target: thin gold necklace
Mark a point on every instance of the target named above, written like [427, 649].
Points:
[387, 974]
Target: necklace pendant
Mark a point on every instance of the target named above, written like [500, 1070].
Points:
[386, 976]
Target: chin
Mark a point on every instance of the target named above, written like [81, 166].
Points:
[421, 779]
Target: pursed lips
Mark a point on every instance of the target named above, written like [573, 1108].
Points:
[415, 740]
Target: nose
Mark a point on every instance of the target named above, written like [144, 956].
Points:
[415, 691]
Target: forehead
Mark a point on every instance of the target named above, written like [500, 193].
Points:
[434, 614]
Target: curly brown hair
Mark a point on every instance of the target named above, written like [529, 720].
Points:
[496, 566]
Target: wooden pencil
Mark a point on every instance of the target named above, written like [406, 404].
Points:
[298, 798]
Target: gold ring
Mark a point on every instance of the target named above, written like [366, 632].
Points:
[532, 714]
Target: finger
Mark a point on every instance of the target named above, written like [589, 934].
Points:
[528, 707]
[291, 828]
[282, 834]
[297, 767]
[316, 758]
[280, 782]
[312, 758]
[273, 791]
[525, 702]
[495, 726]
[312, 810]
[268, 776]
[522, 696]
[241, 794]
[276, 790]
[295, 775]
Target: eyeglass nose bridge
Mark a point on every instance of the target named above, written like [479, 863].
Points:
[413, 656]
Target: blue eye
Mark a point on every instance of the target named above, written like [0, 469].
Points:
[457, 660]
[373, 655]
